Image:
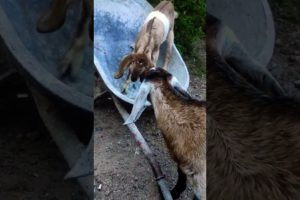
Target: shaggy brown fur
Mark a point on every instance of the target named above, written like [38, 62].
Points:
[54, 18]
[148, 43]
[253, 138]
[182, 121]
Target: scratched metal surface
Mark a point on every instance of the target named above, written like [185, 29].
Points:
[116, 24]
[40, 54]
[251, 21]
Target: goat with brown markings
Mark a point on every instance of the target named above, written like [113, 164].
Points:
[253, 137]
[54, 18]
[182, 121]
[157, 28]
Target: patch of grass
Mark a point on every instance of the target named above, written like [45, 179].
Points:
[198, 70]
[196, 62]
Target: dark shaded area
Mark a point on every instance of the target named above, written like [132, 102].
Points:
[31, 166]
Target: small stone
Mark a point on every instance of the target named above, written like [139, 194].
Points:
[99, 187]
[98, 129]
[297, 84]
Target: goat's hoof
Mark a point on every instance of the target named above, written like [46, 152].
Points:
[117, 75]
[63, 69]
[297, 84]
[67, 69]
[132, 46]
[175, 193]
[196, 198]
[124, 91]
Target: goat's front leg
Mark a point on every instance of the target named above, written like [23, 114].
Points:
[126, 84]
[155, 55]
[180, 185]
[170, 41]
[198, 182]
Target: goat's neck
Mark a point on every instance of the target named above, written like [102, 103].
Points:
[168, 106]
[180, 122]
[148, 53]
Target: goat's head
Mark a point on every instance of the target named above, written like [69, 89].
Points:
[154, 77]
[159, 76]
[136, 63]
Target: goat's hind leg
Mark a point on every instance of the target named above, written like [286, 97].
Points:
[73, 59]
[180, 185]
[170, 41]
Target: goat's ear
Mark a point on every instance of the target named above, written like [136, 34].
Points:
[126, 61]
[139, 102]
[178, 89]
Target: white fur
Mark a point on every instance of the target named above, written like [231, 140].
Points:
[163, 18]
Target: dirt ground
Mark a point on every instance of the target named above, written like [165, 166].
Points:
[285, 63]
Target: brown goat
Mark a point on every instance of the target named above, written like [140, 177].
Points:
[253, 138]
[157, 28]
[182, 121]
[54, 18]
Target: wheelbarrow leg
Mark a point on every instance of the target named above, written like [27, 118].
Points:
[147, 151]
[63, 136]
